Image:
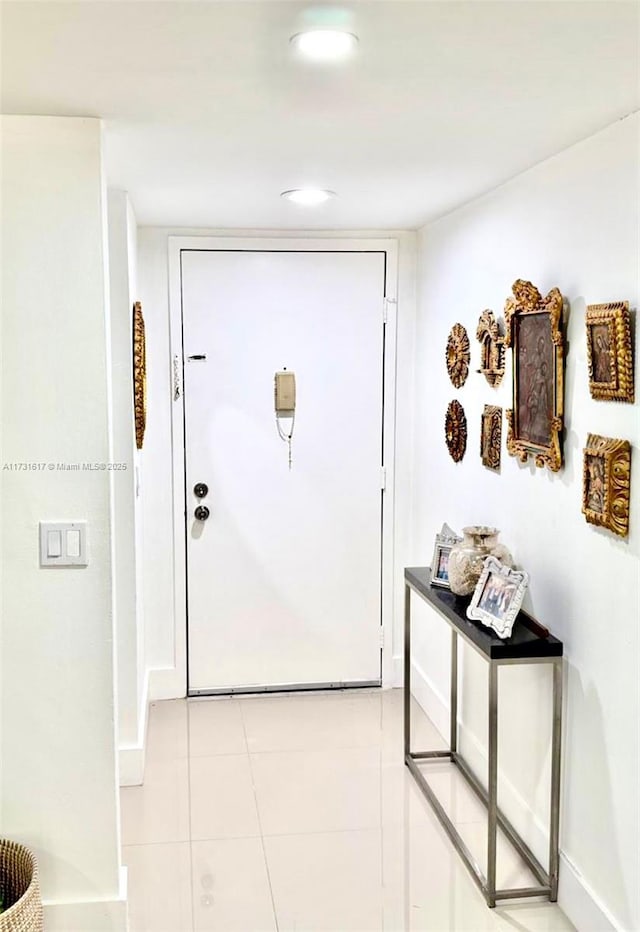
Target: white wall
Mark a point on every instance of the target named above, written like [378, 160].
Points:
[156, 467]
[58, 731]
[571, 222]
[128, 549]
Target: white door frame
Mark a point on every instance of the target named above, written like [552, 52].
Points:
[301, 243]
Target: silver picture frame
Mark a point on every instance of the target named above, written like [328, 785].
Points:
[441, 550]
[498, 596]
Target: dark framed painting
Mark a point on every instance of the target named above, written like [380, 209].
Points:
[534, 333]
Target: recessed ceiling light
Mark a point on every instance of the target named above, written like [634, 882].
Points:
[324, 44]
[308, 197]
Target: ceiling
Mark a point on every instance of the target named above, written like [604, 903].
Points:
[209, 115]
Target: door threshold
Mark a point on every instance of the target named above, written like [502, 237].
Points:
[283, 688]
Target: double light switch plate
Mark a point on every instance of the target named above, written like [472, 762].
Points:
[63, 543]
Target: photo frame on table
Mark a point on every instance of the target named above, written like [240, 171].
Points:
[606, 483]
[534, 333]
[498, 596]
[445, 540]
[609, 352]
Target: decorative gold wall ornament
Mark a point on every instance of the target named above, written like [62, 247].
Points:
[606, 483]
[458, 355]
[491, 348]
[609, 351]
[491, 436]
[534, 332]
[456, 430]
[139, 374]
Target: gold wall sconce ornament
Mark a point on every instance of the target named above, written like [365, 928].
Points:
[491, 348]
[139, 375]
[491, 437]
[533, 327]
[609, 351]
[458, 355]
[455, 428]
[606, 483]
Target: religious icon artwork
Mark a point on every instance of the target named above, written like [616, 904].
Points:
[491, 348]
[491, 436]
[458, 355]
[534, 333]
[139, 375]
[609, 352]
[606, 483]
[455, 428]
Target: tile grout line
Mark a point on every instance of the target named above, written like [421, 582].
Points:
[255, 798]
[191, 877]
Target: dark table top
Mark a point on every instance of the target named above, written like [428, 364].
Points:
[525, 642]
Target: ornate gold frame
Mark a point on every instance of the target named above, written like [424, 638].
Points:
[529, 302]
[606, 483]
[491, 428]
[458, 355]
[139, 374]
[619, 356]
[455, 429]
[492, 348]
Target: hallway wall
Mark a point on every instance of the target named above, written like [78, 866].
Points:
[570, 222]
[128, 495]
[58, 731]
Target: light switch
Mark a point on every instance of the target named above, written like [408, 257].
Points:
[73, 543]
[54, 544]
[63, 543]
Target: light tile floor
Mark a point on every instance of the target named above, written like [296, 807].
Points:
[297, 814]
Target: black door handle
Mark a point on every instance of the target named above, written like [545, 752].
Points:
[201, 513]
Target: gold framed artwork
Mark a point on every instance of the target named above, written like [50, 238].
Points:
[458, 355]
[609, 351]
[534, 333]
[491, 436]
[491, 348]
[606, 483]
[455, 429]
[139, 375]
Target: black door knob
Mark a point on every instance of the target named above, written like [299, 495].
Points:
[200, 489]
[201, 512]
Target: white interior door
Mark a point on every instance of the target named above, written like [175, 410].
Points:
[284, 576]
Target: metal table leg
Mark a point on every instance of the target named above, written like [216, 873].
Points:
[556, 739]
[492, 802]
[453, 736]
[407, 671]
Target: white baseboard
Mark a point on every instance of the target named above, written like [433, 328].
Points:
[90, 916]
[575, 897]
[166, 683]
[397, 667]
[131, 757]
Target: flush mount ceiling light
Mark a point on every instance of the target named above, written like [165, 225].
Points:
[324, 44]
[308, 197]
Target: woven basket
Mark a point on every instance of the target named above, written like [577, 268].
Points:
[20, 889]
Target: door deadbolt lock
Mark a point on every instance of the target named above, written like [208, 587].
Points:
[200, 489]
[201, 513]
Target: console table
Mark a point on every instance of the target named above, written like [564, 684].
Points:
[529, 643]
